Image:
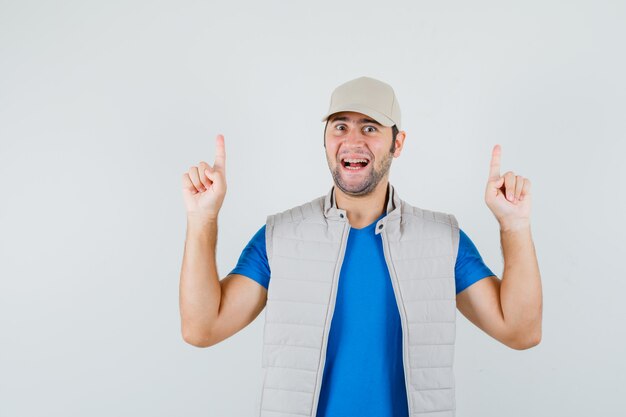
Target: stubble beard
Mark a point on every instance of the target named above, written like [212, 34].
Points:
[368, 184]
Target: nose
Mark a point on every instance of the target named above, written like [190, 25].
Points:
[354, 136]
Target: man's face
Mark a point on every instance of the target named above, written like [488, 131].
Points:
[358, 152]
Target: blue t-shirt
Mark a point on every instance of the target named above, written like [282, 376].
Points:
[363, 373]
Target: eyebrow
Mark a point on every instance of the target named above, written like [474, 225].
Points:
[363, 120]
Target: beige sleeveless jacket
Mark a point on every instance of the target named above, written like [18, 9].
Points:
[305, 249]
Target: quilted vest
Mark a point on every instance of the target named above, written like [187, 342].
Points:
[305, 249]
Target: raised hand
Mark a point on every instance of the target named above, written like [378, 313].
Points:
[507, 196]
[204, 186]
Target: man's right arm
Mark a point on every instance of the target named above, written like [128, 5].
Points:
[211, 310]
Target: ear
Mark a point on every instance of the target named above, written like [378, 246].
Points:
[400, 137]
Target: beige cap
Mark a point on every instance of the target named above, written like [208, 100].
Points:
[368, 96]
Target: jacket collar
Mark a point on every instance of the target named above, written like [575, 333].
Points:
[331, 210]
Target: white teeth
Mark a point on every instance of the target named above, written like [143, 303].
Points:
[346, 162]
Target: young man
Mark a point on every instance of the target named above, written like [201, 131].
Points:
[361, 287]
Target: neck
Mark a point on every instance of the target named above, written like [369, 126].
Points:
[364, 209]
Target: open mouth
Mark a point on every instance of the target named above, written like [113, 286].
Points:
[354, 164]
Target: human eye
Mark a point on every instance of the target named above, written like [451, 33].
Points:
[340, 125]
[370, 127]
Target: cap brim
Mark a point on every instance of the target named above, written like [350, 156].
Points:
[359, 108]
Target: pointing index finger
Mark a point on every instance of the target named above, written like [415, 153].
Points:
[494, 169]
[220, 152]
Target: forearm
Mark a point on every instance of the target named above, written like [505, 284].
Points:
[520, 291]
[200, 290]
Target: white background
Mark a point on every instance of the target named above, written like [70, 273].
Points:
[104, 105]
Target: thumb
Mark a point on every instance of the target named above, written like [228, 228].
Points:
[495, 185]
[213, 174]
[210, 173]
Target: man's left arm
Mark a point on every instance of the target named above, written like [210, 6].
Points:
[510, 310]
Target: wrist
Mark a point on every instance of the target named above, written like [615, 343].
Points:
[515, 225]
[201, 218]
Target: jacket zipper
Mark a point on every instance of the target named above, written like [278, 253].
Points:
[405, 332]
[333, 297]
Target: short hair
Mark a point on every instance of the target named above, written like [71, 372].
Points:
[394, 133]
